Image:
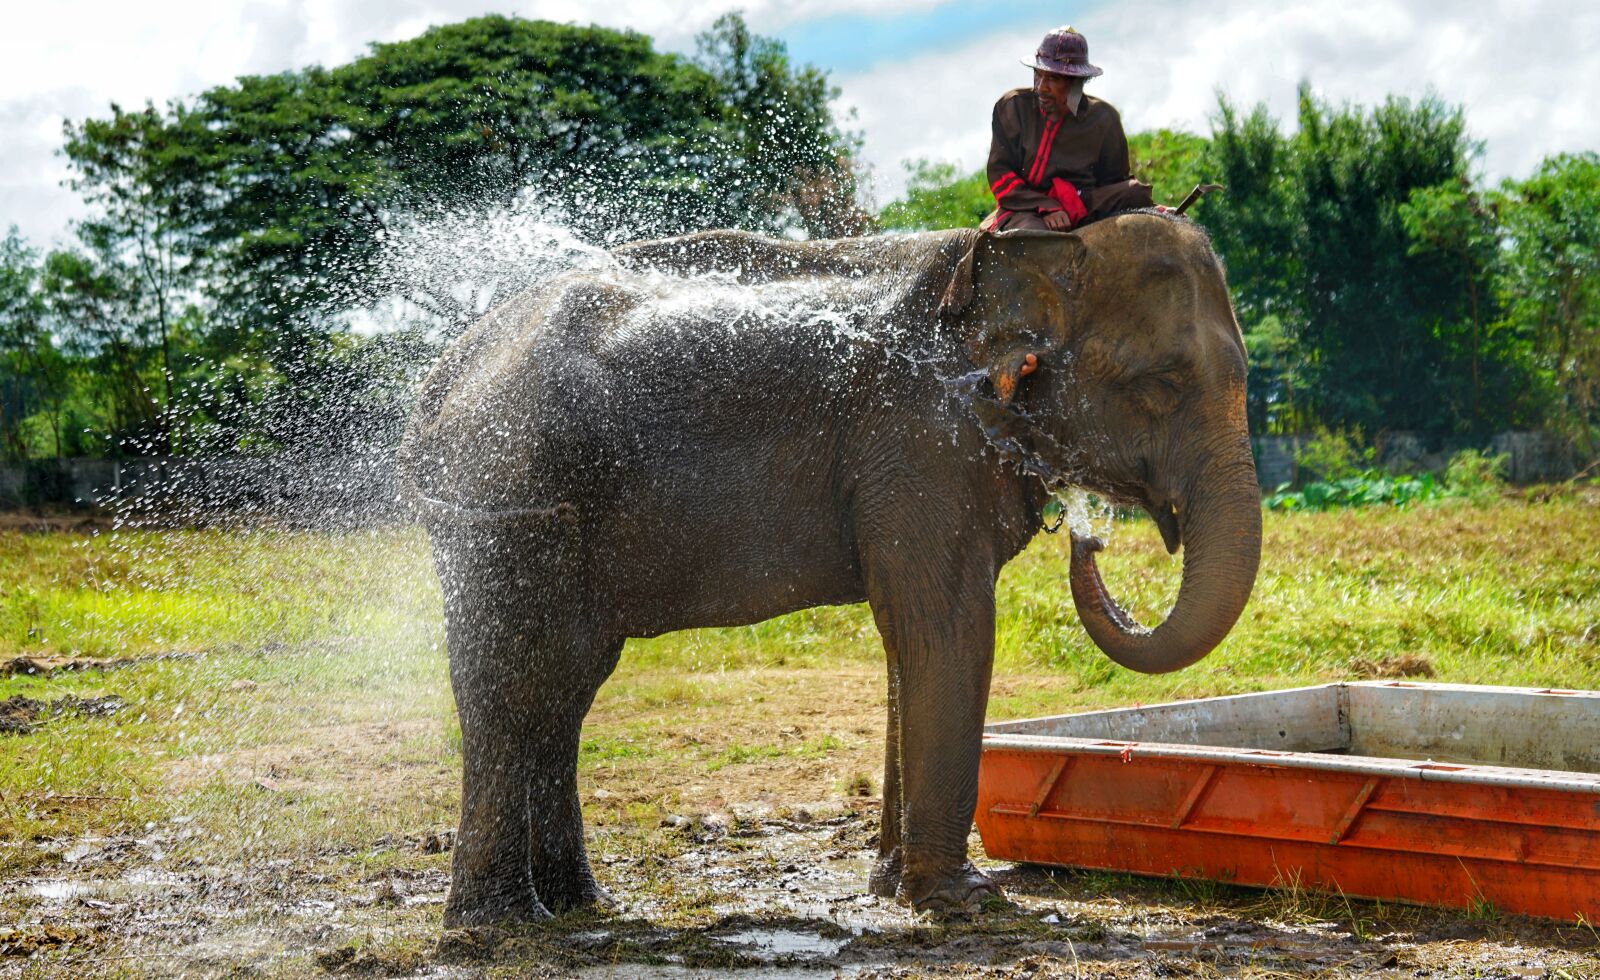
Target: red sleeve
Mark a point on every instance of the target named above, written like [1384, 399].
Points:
[1010, 191]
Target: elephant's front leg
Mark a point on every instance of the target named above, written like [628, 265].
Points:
[940, 634]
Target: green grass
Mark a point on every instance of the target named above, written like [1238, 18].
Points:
[258, 635]
[1508, 594]
[286, 636]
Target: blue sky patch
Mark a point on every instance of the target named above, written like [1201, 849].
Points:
[857, 41]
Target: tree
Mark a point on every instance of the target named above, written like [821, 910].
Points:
[938, 197]
[1253, 222]
[787, 161]
[95, 305]
[35, 380]
[1368, 303]
[1170, 161]
[1452, 220]
[318, 171]
[1313, 232]
[125, 299]
[1549, 287]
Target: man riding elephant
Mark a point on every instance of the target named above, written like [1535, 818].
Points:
[721, 428]
[1058, 157]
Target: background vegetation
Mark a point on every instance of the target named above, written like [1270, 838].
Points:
[206, 304]
[207, 301]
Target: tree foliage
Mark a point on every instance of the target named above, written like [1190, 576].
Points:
[232, 234]
[1547, 284]
[938, 197]
[316, 170]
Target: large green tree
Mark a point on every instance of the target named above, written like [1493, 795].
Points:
[1348, 234]
[285, 207]
[318, 171]
[1548, 284]
[1368, 303]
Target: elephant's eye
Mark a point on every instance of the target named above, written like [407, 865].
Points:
[1157, 394]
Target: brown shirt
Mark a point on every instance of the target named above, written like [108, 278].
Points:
[1087, 149]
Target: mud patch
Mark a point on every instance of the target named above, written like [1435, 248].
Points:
[23, 716]
[353, 959]
[1399, 665]
[779, 893]
[47, 666]
[27, 942]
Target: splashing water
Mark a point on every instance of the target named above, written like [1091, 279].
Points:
[1086, 514]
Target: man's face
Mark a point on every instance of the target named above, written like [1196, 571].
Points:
[1052, 89]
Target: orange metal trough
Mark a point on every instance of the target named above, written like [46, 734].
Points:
[1438, 794]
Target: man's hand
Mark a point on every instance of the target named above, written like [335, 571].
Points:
[1058, 220]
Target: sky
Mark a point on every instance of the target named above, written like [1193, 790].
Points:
[917, 77]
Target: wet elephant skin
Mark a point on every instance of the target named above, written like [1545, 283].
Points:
[642, 447]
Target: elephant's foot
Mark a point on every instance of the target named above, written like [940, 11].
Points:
[464, 911]
[574, 892]
[885, 880]
[947, 891]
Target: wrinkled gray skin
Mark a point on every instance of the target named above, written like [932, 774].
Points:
[594, 463]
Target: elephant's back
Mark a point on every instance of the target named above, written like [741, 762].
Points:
[511, 403]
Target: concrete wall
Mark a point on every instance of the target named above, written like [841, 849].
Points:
[360, 489]
[1531, 457]
[355, 490]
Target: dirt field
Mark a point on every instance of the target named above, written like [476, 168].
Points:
[757, 869]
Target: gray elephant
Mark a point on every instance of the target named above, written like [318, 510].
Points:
[717, 429]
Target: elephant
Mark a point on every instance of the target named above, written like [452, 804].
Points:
[720, 428]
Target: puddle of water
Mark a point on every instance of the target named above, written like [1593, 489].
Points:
[135, 883]
[639, 970]
[783, 942]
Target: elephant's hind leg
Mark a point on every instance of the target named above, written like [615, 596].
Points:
[511, 627]
[561, 871]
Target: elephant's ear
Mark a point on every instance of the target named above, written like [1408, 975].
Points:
[1015, 291]
[959, 292]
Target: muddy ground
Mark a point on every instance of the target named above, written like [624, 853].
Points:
[763, 889]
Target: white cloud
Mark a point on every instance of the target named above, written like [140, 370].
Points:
[59, 62]
[1526, 72]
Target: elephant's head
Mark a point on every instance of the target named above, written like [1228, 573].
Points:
[1114, 356]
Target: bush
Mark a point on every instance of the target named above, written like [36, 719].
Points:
[1472, 475]
[1334, 455]
[1364, 489]
[1476, 475]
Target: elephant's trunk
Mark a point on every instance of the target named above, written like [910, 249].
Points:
[1220, 526]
